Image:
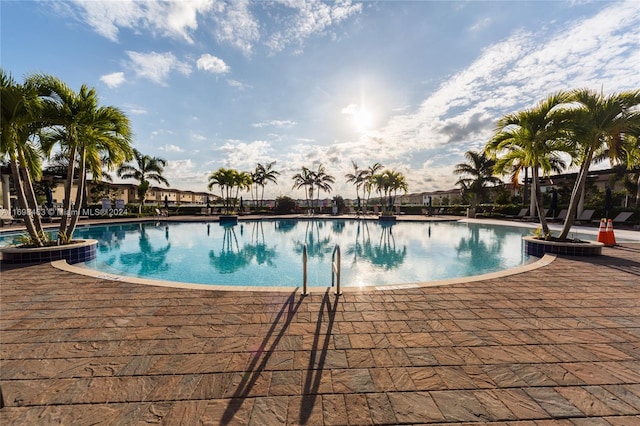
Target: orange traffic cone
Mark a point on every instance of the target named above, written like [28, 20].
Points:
[611, 238]
[602, 232]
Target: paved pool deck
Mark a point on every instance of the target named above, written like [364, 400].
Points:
[559, 345]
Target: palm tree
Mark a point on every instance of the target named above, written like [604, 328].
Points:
[357, 178]
[322, 181]
[263, 175]
[305, 180]
[146, 169]
[598, 123]
[530, 139]
[367, 176]
[92, 136]
[388, 182]
[479, 168]
[21, 119]
[225, 179]
[241, 180]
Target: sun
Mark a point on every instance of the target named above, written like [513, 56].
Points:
[363, 120]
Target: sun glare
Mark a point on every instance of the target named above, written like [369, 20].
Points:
[363, 120]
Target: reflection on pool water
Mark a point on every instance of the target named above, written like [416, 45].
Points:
[269, 252]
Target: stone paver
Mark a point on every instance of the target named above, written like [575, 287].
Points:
[558, 345]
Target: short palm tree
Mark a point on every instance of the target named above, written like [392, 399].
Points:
[145, 169]
[597, 123]
[478, 170]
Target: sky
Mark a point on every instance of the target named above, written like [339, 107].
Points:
[412, 85]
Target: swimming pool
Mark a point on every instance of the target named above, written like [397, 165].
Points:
[269, 252]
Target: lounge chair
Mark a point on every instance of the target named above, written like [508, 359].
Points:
[160, 213]
[561, 215]
[622, 217]
[520, 215]
[586, 216]
[6, 218]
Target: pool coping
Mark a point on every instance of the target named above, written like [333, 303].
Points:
[82, 269]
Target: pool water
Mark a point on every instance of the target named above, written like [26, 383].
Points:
[269, 252]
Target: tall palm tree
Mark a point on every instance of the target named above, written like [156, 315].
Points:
[241, 180]
[226, 180]
[389, 182]
[21, 120]
[146, 169]
[304, 179]
[598, 123]
[263, 175]
[479, 171]
[367, 176]
[322, 181]
[357, 178]
[531, 138]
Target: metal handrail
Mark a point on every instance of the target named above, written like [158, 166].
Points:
[335, 269]
[305, 292]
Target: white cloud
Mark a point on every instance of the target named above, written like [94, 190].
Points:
[236, 25]
[198, 137]
[350, 109]
[135, 109]
[308, 18]
[212, 64]
[480, 24]
[171, 148]
[244, 156]
[156, 66]
[275, 123]
[238, 84]
[113, 80]
[175, 19]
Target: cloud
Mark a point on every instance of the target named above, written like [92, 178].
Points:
[244, 156]
[236, 25]
[285, 22]
[308, 18]
[113, 80]
[275, 123]
[135, 109]
[351, 109]
[198, 137]
[238, 84]
[171, 148]
[212, 64]
[480, 24]
[175, 19]
[156, 66]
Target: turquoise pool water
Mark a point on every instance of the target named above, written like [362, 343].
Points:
[269, 252]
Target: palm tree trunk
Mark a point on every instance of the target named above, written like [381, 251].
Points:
[66, 203]
[30, 196]
[22, 202]
[82, 179]
[638, 192]
[538, 201]
[575, 199]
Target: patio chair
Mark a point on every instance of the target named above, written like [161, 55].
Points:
[586, 216]
[622, 217]
[161, 213]
[6, 218]
[561, 215]
[520, 215]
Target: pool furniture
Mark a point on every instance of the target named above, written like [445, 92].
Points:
[520, 215]
[6, 218]
[586, 216]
